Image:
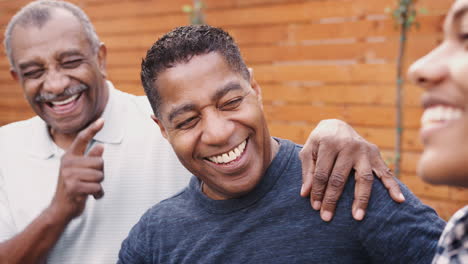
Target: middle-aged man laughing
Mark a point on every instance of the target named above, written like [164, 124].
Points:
[240, 205]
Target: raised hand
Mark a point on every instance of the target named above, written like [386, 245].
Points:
[80, 174]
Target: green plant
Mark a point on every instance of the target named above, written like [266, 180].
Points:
[195, 11]
[404, 16]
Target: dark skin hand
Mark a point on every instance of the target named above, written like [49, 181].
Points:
[80, 176]
[332, 150]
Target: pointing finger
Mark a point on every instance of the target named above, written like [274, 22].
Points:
[78, 146]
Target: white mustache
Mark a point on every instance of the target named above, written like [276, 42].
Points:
[46, 96]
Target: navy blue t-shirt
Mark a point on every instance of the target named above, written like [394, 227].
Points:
[273, 224]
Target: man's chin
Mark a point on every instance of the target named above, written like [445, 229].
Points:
[431, 173]
[443, 168]
[66, 127]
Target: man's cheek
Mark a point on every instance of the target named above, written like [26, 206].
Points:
[182, 146]
[459, 67]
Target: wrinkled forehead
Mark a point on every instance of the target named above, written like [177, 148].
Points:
[59, 27]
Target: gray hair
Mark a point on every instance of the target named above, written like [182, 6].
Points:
[37, 13]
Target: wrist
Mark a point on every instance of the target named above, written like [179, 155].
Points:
[54, 215]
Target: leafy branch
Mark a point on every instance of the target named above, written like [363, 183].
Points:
[195, 11]
[404, 16]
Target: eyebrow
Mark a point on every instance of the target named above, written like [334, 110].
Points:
[28, 64]
[69, 53]
[62, 55]
[460, 12]
[231, 86]
[456, 19]
[180, 109]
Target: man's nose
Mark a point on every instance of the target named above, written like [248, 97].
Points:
[55, 82]
[430, 69]
[217, 129]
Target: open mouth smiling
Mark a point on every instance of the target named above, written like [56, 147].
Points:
[440, 114]
[64, 106]
[229, 156]
[66, 101]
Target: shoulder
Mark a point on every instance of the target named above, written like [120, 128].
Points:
[290, 145]
[144, 240]
[174, 207]
[153, 222]
[140, 103]
[409, 231]
[381, 204]
[21, 127]
[380, 199]
[16, 133]
[287, 160]
[288, 150]
[167, 209]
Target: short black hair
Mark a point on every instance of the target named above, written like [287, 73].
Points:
[180, 46]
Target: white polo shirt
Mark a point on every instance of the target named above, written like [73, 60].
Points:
[140, 169]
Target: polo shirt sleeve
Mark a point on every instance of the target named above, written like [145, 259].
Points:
[399, 233]
[7, 226]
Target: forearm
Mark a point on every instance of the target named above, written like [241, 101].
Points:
[36, 240]
[80, 175]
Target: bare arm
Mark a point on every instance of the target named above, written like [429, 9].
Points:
[34, 242]
[80, 176]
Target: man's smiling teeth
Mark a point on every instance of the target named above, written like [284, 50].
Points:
[439, 114]
[230, 155]
[66, 101]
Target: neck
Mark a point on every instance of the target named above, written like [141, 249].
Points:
[274, 147]
[64, 141]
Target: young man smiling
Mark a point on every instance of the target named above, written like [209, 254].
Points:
[240, 207]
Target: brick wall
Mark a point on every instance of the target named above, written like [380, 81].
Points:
[314, 59]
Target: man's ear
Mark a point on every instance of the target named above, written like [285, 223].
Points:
[14, 75]
[102, 59]
[255, 86]
[161, 127]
